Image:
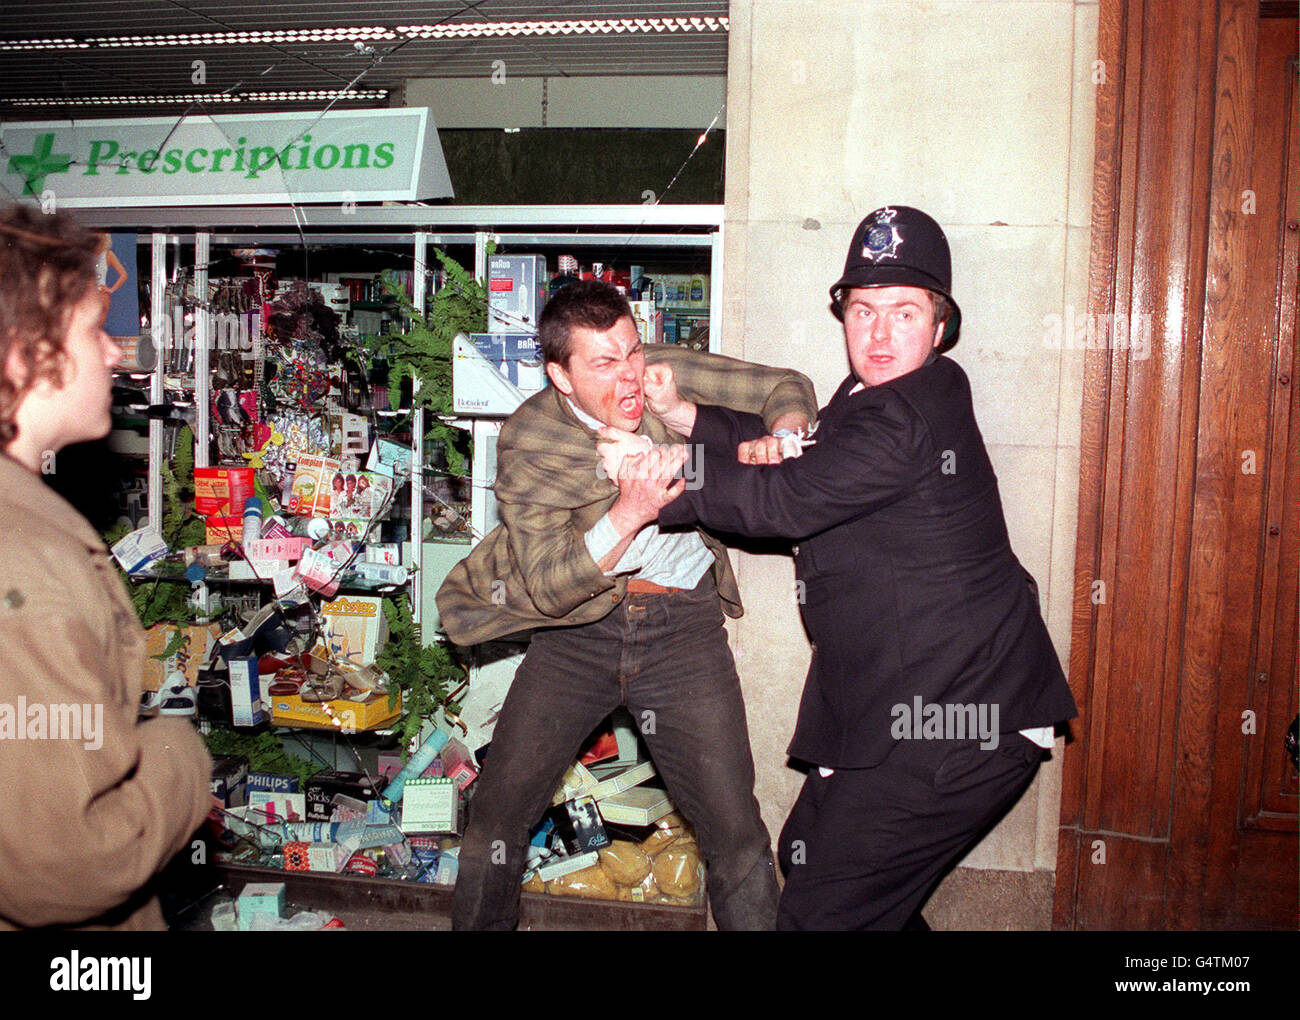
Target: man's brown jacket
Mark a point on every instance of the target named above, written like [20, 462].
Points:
[534, 570]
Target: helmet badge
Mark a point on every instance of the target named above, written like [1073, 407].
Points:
[882, 239]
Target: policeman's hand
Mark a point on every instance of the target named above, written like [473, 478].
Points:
[665, 402]
[616, 444]
[765, 450]
[647, 482]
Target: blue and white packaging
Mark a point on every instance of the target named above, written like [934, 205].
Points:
[245, 692]
[517, 289]
[138, 549]
[272, 783]
[492, 373]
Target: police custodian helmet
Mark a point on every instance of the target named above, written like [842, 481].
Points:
[897, 246]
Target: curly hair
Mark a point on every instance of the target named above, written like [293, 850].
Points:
[47, 264]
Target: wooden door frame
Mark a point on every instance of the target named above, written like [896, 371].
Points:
[1173, 80]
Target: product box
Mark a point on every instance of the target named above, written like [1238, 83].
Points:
[138, 549]
[458, 763]
[430, 805]
[578, 824]
[356, 435]
[311, 491]
[477, 371]
[259, 898]
[288, 550]
[641, 805]
[355, 629]
[622, 779]
[579, 781]
[517, 287]
[649, 321]
[222, 491]
[245, 692]
[371, 714]
[325, 785]
[192, 653]
[359, 496]
[300, 856]
[229, 779]
[318, 570]
[269, 782]
[389, 553]
[390, 458]
[567, 865]
[270, 807]
[218, 530]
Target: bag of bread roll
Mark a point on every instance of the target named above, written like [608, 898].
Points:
[677, 870]
[625, 862]
[592, 883]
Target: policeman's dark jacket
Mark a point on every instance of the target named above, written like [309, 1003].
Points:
[910, 587]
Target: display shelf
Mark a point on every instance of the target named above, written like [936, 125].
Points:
[382, 904]
[326, 245]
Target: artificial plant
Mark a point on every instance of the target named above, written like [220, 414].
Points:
[264, 750]
[423, 673]
[422, 351]
[169, 602]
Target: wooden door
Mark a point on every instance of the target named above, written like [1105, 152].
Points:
[1179, 808]
[1245, 873]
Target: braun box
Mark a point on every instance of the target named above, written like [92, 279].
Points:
[476, 373]
[516, 292]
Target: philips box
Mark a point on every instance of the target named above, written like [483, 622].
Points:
[269, 782]
[517, 288]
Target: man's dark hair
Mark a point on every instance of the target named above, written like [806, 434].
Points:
[941, 305]
[588, 304]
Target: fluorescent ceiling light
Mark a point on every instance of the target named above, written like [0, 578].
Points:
[298, 96]
[451, 30]
[43, 44]
[586, 26]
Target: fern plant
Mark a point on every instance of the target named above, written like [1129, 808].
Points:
[265, 752]
[423, 674]
[422, 351]
[168, 602]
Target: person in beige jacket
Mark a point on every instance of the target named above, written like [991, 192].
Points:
[93, 803]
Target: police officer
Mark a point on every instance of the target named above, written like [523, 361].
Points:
[934, 687]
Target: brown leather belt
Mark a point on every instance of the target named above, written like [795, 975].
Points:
[638, 587]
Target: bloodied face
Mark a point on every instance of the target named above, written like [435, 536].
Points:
[604, 374]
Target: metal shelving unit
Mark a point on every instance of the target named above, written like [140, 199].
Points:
[614, 228]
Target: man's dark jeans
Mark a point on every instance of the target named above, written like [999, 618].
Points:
[665, 657]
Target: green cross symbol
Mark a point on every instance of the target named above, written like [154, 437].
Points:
[39, 163]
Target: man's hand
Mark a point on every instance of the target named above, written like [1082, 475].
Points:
[645, 485]
[663, 400]
[764, 450]
[773, 449]
[615, 444]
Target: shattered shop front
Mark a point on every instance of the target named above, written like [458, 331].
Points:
[320, 349]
